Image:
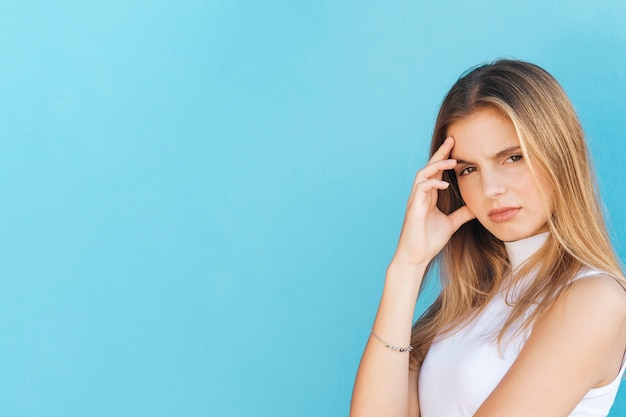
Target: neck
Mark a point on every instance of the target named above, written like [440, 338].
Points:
[520, 250]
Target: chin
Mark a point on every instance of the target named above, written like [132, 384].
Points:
[512, 234]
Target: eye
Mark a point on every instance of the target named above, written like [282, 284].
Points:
[466, 171]
[514, 158]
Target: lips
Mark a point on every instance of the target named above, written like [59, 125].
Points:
[503, 214]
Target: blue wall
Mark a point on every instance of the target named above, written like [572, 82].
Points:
[199, 199]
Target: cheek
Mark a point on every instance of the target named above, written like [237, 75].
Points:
[547, 195]
[468, 193]
[539, 196]
[545, 202]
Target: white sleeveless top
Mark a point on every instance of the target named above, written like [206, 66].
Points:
[460, 370]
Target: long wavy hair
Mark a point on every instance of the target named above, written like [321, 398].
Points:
[473, 264]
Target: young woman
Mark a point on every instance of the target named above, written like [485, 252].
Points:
[531, 320]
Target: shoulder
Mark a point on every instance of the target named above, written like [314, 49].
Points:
[594, 302]
[576, 344]
[594, 295]
[588, 321]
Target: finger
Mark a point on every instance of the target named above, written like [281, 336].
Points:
[460, 217]
[435, 170]
[423, 188]
[444, 150]
[432, 184]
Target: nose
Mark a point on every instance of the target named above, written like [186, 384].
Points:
[493, 184]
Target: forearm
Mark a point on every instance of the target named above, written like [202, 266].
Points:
[382, 383]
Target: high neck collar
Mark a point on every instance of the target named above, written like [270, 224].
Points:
[520, 250]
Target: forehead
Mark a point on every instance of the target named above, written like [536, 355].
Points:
[482, 133]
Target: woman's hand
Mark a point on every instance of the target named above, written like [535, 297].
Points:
[382, 384]
[426, 230]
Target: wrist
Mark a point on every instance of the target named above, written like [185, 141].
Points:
[407, 278]
[399, 267]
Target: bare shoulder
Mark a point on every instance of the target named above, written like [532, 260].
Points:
[596, 304]
[596, 295]
[577, 344]
[591, 313]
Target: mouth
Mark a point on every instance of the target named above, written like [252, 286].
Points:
[503, 214]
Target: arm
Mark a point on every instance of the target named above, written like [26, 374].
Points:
[382, 385]
[578, 344]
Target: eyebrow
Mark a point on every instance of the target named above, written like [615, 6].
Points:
[495, 156]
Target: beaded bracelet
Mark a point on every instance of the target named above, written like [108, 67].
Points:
[390, 346]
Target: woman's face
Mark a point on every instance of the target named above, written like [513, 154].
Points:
[495, 179]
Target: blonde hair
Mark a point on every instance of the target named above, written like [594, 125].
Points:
[473, 263]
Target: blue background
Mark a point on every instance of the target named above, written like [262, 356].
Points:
[199, 199]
